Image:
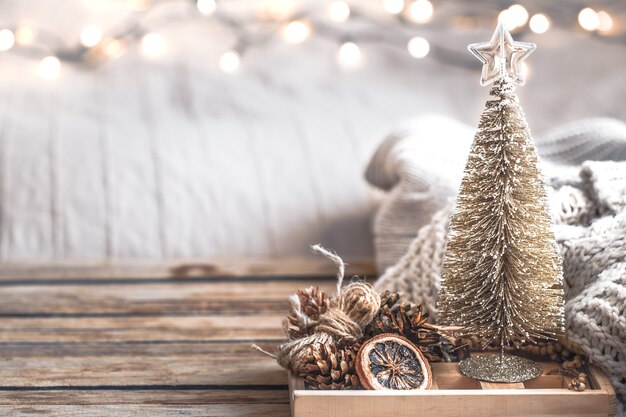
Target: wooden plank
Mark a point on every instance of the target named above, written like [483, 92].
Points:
[139, 396]
[139, 366]
[598, 379]
[500, 385]
[546, 380]
[447, 376]
[226, 298]
[453, 403]
[314, 266]
[491, 402]
[152, 410]
[295, 383]
[133, 329]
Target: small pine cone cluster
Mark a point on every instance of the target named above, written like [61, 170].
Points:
[305, 308]
[406, 319]
[328, 367]
[410, 320]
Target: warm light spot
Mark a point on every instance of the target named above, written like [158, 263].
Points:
[349, 55]
[393, 6]
[589, 19]
[339, 11]
[278, 9]
[90, 36]
[606, 21]
[539, 23]
[418, 47]
[139, 5]
[153, 45]
[25, 35]
[206, 7]
[505, 17]
[49, 67]
[113, 48]
[7, 40]
[421, 11]
[297, 31]
[229, 61]
[518, 14]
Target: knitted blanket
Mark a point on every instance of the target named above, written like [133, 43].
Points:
[584, 164]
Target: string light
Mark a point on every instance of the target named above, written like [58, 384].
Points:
[139, 5]
[606, 21]
[349, 55]
[339, 11]
[519, 14]
[153, 45]
[393, 6]
[49, 67]
[7, 40]
[514, 17]
[278, 9]
[505, 18]
[539, 23]
[421, 11]
[25, 35]
[90, 36]
[206, 7]
[229, 62]
[418, 47]
[589, 19]
[114, 48]
[297, 31]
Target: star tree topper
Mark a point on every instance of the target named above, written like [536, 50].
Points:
[501, 57]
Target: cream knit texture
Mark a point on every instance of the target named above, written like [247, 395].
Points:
[587, 192]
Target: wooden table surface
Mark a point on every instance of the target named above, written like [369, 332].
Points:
[148, 340]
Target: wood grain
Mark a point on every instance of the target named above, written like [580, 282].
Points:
[456, 395]
[137, 329]
[454, 403]
[185, 298]
[144, 410]
[146, 345]
[249, 268]
[139, 365]
[182, 397]
[499, 385]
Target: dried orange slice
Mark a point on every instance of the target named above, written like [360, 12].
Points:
[391, 362]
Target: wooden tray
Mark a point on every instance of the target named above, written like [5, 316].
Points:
[455, 395]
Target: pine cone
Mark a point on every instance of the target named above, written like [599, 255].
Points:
[328, 367]
[305, 308]
[410, 320]
[389, 299]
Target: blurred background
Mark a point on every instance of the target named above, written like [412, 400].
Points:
[180, 128]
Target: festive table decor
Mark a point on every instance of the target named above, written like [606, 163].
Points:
[395, 362]
[502, 277]
[330, 338]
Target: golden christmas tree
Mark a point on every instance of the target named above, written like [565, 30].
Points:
[502, 275]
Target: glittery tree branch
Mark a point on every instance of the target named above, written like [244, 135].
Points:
[502, 275]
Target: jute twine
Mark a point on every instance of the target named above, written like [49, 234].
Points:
[350, 310]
